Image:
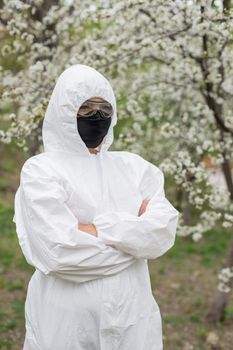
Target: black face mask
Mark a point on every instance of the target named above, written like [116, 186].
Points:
[93, 129]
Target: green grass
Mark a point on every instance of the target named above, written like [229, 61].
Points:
[10, 252]
[213, 245]
[13, 283]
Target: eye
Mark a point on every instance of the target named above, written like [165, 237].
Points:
[84, 109]
[107, 107]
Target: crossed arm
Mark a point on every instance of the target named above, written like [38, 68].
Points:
[91, 229]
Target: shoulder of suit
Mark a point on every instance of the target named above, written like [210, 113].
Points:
[38, 164]
[127, 156]
[133, 158]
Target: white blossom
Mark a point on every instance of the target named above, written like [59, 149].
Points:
[151, 52]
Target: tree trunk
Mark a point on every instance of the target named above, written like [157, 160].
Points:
[226, 167]
[186, 209]
[179, 199]
[226, 4]
[220, 300]
[33, 142]
[218, 304]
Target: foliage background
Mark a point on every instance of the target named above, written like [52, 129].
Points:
[41, 38]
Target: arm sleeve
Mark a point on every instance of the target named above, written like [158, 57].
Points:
[147, 236]
[49, 236]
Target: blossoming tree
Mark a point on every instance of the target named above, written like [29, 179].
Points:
[170, 63]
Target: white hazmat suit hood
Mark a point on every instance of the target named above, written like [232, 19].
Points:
[74, 86]
[87, 292]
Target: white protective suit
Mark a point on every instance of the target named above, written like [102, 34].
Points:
[87, 292]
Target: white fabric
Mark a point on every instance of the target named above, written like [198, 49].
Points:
[87, 292]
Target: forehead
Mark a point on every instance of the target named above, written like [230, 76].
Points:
[96, 99]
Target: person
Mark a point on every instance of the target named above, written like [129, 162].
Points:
[88, 219]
